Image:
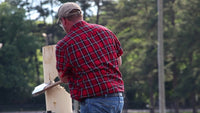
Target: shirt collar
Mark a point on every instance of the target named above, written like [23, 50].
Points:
[78, 24]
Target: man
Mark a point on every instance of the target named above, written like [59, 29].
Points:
[88, 59]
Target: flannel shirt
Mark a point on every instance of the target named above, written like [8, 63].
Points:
[88, 56]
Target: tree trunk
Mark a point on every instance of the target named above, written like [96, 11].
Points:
[176, 106]
[37, 69]
[151, 106]
[98, 9]
[175, 80]
[125, 109]
[174, 69]
[193, 103]
[51, 2]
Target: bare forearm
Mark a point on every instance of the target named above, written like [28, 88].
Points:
[119, 61]
[62, 77]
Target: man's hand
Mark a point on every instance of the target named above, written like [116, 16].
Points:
[64, 79]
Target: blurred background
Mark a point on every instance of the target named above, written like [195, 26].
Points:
[28, 25]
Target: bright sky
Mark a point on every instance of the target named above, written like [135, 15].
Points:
[35, 14]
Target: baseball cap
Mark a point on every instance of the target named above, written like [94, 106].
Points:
[66, 8]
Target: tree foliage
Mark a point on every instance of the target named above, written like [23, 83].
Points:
[135, 24]
[17, 55]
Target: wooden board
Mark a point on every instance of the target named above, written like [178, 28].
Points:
[57, 99]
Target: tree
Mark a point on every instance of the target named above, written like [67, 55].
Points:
[17, 55]
[182, 53]
[188, 35]
[135, 25]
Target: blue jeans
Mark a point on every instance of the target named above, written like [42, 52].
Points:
[102, 105]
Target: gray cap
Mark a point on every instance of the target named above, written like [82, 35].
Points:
[66, 8]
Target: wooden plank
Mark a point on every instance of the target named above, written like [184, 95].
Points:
[57, 99]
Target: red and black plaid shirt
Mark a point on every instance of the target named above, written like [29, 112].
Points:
[88, 56]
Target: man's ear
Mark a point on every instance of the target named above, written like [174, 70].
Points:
[65, 21]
